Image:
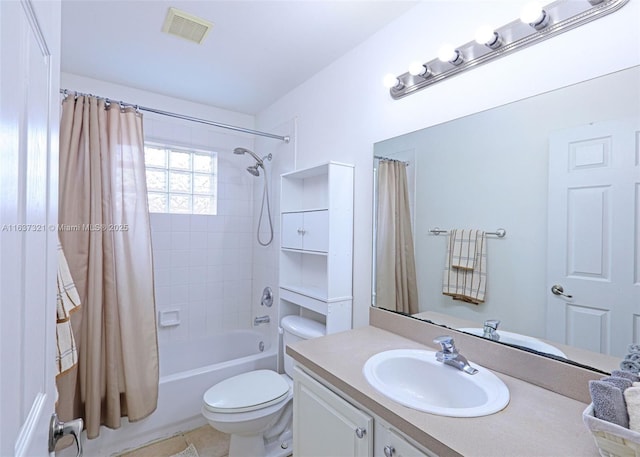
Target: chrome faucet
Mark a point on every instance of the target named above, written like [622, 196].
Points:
[490, 329]
[449, 355]
[261, 320]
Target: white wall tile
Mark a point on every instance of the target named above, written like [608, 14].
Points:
[180, 240]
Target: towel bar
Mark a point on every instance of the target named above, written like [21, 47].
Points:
[500, 233]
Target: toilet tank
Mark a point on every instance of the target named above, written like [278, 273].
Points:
[296, 328]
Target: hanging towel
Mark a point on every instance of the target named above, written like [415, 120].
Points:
[463, 251]
[67, 302]
[466, 284]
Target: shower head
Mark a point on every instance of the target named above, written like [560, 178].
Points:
[254, 170]
[244, 150]
[259, 162]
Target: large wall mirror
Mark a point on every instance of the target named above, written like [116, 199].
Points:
[560, 173]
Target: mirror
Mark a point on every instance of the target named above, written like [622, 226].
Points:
[490, 171]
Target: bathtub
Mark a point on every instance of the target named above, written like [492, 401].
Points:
[187, 370]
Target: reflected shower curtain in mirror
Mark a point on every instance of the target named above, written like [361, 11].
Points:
[396, 287]
[105, 232]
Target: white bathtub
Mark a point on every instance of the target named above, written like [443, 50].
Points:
[187, 370]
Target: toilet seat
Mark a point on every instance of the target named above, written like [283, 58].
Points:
[246, 392]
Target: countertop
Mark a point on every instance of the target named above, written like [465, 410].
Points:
[596, 360]
[537, 422]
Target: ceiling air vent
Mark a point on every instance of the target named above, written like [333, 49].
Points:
[186, 25]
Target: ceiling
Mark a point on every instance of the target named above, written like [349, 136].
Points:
[257, 51]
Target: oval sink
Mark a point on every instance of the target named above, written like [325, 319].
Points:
[519, 340]
[414, 378]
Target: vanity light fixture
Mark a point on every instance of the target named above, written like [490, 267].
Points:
[537, 23]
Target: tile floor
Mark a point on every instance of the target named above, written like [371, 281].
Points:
[207, 441]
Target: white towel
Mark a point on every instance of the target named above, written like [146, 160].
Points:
[67, 302]
[632, 398]
[463, 283]
[463, 251]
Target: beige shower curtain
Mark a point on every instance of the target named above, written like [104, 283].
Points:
[396, 287]
[105, 232]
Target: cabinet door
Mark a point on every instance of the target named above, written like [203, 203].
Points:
[316, 231]
[395, 445]
[292, 230]
[325, 424]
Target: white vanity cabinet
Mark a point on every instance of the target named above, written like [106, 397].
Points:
[388, 443]
[325, 424]
[330, 424]
[316, 243]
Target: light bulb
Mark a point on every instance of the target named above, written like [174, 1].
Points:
[533, 14]
[390, 81]
[486, 35]
[448, 53]
[418, 69]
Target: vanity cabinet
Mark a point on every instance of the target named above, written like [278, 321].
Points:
[389, 443]
[316, 243]
[325, 424]
[329, 424]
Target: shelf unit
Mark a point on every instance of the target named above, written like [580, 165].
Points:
[316, 243]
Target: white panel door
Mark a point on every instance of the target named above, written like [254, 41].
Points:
[29, 112]
[325, 424]
[593, 240]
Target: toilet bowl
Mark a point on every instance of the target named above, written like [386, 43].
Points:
[256, 408]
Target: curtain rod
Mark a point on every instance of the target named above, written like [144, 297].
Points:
[286, 139]
[391, 160]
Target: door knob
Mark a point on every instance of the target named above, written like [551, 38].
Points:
[389, 451]
[360, 432]
[58, 429]
[557, 289]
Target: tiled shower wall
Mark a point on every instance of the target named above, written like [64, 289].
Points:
[202, 264]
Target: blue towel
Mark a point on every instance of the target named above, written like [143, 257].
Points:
[630, 365]
[633, 356]
[608, 403]
[634, 348]
[625, 374]
[621, 383]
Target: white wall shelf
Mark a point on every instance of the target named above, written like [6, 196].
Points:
[316, 254]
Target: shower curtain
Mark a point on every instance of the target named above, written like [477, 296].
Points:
[105, 232]
[396, 287]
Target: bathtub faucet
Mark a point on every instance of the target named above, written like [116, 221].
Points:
[261, 320]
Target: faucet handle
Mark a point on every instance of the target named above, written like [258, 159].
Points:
[492, 323]
[447, 344]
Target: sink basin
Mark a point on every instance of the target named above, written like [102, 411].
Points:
[519, 340]
[414, 378]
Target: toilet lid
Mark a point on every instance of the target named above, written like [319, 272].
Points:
[246, 392]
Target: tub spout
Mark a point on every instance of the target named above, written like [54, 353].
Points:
[261, 320]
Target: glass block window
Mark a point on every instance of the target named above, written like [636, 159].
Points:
[181, 181]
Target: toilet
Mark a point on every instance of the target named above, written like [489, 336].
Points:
[256, 408]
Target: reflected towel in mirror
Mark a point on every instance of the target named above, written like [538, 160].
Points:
[466, 284]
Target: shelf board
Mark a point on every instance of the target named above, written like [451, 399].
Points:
[305, 210]
[302, 251]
